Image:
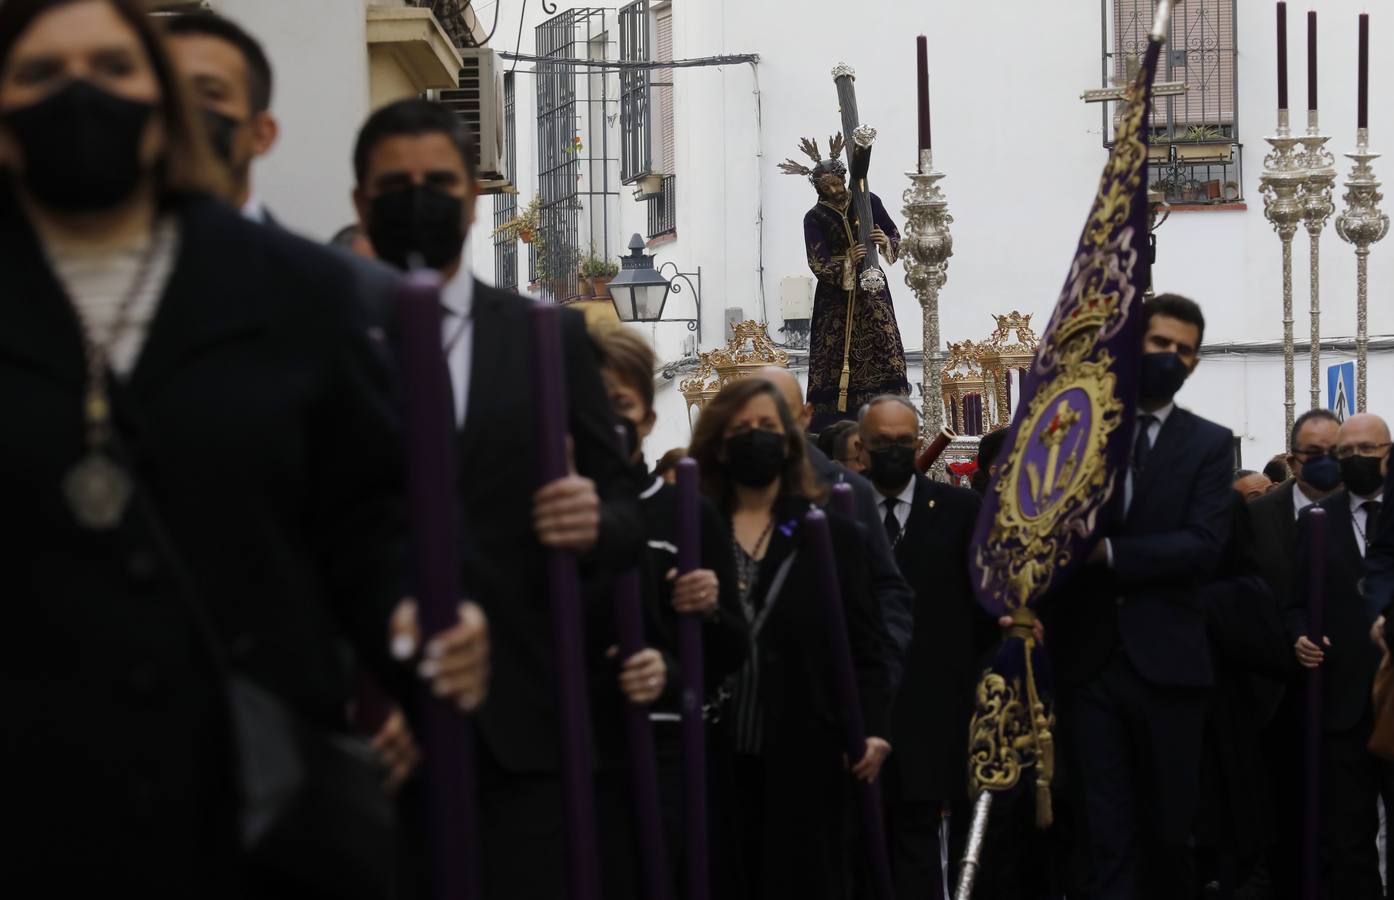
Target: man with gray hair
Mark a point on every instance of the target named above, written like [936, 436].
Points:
[1352, 777]
[930, 525]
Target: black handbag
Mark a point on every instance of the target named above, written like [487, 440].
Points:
[313, 810]
[313, 813]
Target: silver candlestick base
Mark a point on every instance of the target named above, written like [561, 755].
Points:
[1362, 223]
[1317, 210]
[1284, 175]
[927, 246]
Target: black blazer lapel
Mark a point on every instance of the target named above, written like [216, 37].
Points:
[1341, 533]
[37, 322]
[204, 303]
[492, 340]
[924, 512]
[1288, 527]
[786, 537]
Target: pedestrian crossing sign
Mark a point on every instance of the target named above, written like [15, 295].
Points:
[1340, 390]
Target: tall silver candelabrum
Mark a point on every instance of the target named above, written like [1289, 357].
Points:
[1362, 223]
[1317, 209]
[1284, 175]
[928, 245]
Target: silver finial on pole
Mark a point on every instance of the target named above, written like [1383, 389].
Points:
[1362, 223]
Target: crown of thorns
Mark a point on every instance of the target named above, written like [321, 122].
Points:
[821, 166]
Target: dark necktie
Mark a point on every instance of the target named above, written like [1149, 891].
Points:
[892, 523]
[1372, 508]
[1142, 447]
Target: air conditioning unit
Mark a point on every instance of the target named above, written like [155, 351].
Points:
[478, 101]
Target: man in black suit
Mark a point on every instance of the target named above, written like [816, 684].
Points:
[1352, 778]
[888, 587]
[229, 76]
[930, 525]
[416, 198]
[1274, 515]
[1128, 638]
[1273, 519]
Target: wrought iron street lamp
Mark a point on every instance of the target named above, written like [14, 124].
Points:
[639, 291]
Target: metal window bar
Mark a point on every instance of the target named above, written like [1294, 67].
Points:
[572, 129]
[506, 205]
[663, 209]
[1195, 144]
[636, 151]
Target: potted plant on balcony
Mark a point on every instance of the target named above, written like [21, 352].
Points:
[524, 226]
[598, 273]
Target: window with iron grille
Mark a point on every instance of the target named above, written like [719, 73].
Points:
[635, 147]
[1195, 143]
[576, 172]
[558, 165]
[506, 204]
[663, 212]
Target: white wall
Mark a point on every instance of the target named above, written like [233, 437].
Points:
[318, 49]
[1022, 154]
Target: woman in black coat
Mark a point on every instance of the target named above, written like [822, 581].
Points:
[200, 473]
[627, 366]
[783, 720]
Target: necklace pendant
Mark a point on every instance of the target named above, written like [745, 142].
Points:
[98, 491]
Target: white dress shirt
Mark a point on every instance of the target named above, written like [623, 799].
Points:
[254, 210]
[457, 337]
[1300, 501]
[1359, 518]
[904, 502]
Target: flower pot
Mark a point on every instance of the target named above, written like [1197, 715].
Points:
[525, 235]
[602, 287]
[584, 288]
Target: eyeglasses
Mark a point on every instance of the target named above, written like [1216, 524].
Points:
[907, 443]
[1307, 454]
[1346, 451]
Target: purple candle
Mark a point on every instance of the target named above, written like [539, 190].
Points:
[643, 762]
[1316, 577]
[873, 824]
[1312, 59]
[449, 744]
[549, 396]
[1363, 113]
[1282, 55]
[843, 503]
[694, 734]
[922, 85]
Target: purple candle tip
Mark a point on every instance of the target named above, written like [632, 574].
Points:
[1282, 55]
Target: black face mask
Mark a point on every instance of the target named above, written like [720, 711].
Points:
[1162, 376]
[1361, 474]
[222, 132]
[1322, 473]
[417, 222]
[755, 458]
[891, 468]
[81, 147]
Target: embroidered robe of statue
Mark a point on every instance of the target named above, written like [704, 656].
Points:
[877, 358]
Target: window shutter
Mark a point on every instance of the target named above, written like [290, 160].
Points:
[665, 156]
